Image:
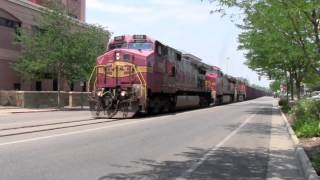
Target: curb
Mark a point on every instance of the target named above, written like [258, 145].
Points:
[20, 112]
[307, 168]
[50, 110]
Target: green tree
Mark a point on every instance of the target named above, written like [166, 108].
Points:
[275, 85]
[281, 37]
[60, 46]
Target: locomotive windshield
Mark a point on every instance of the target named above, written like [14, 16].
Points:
[118, 45]
[141, 45]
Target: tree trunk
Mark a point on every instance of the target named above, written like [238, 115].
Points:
[298, 79]
[287, 83]
[59, 88]
[298, 88]
[315, 23]
[291, 86]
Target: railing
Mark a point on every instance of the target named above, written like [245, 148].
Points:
[142, 81]
[94, 71]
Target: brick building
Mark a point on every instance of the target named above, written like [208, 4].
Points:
[75, 8]
[22, 13]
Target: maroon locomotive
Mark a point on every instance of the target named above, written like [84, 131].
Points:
[140, 74]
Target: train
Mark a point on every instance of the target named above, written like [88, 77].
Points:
[138, 74]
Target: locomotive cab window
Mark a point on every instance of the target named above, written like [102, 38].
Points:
[141, 45]
[160, 49]
[178, 56]
[201, 71]
[117, 46]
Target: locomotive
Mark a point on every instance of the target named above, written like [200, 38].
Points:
[140, 74]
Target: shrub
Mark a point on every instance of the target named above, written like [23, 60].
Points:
[284, 105]
[306, 114]
[307, 128]
[315, 159]
[283, 102]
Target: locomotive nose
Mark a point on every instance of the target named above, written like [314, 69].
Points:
[122, 55]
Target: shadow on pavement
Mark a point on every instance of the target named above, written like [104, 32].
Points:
[266, 110]
[224, 163]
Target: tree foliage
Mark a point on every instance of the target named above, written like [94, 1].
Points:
[60, 47]
[281, 38]
[275, 85]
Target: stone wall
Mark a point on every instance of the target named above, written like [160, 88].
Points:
[9, 98]
[42, 99]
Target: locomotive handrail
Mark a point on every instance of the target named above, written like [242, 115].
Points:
[143, 81]
[90, 78]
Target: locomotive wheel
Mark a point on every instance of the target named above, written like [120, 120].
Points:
[95, 106]
[155, 106]
[172, 104]
[126, 109]
[165, 105]
[241, 98]
[101, 107]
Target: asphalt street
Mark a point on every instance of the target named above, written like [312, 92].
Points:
[223, 142]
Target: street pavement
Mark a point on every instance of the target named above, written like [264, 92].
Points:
[245, 140]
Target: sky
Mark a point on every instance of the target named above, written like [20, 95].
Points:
[183, 24]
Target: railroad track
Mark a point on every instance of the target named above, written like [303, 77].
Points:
[13, 129]
[33, 128]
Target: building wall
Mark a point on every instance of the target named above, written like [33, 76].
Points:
[75, 8]
[19, 13]
[11, 13]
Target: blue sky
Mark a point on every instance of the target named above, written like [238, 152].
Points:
[182, 24]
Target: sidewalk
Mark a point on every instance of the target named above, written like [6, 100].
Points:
[283, 163]
[7, 110]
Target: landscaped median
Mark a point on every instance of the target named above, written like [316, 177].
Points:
[304, 117]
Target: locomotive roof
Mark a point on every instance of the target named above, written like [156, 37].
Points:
[185, 55]
[194, 59]
[190, 56]
[131, 38]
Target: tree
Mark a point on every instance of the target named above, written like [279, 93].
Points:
[60, 46]
[281, 37]
[275, 85]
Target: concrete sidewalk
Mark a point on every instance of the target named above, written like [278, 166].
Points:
[7, 110]
[283, 162]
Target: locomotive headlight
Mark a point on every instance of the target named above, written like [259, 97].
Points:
[100, 93]
[117, 56]
[123, 93]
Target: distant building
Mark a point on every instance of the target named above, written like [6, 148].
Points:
[22, 13]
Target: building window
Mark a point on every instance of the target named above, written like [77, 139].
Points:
[71, 86]
[9, 23]
[55, 85]
[84, 86]
[38, 86]
[72, 15]
[17, 86]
